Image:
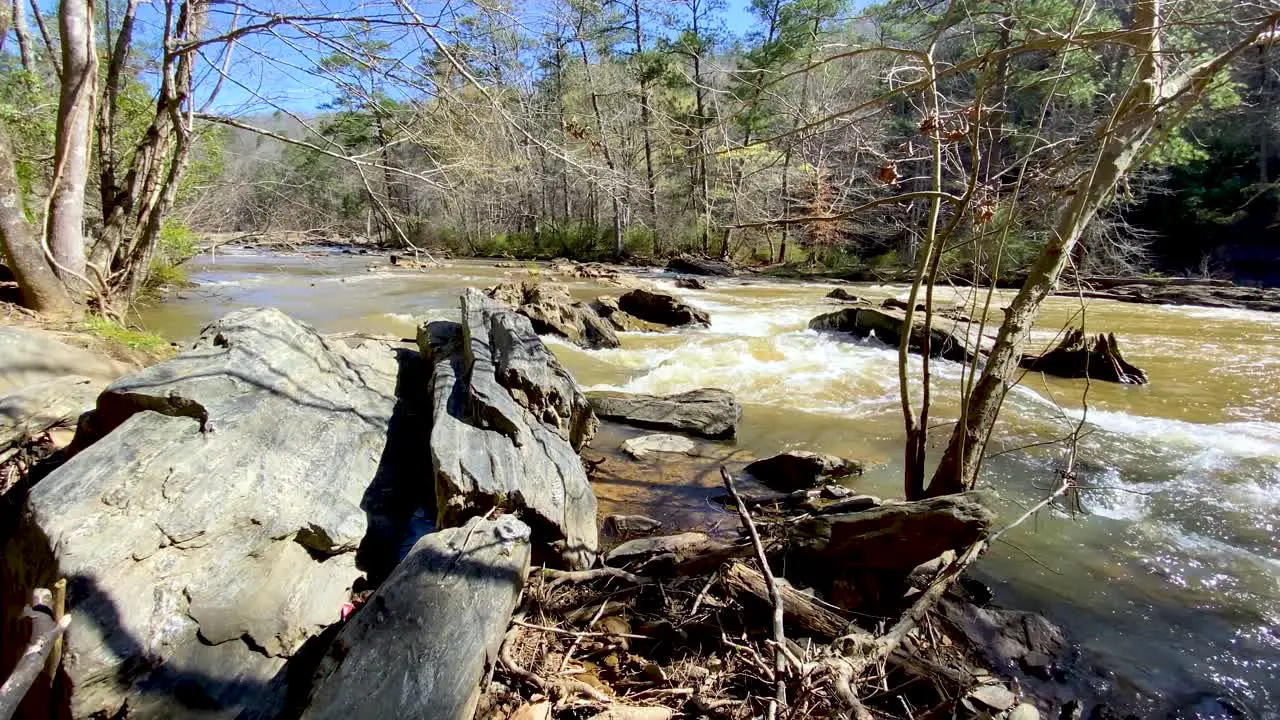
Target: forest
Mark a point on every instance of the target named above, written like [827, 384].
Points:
[809, 132]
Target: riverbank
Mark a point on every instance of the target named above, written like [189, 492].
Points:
[1150, 290]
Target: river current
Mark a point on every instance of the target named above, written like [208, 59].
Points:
[1167, 571]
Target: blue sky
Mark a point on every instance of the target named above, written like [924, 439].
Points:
[278, 70]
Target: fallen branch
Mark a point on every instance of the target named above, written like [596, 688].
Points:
[44, 632]
[800, 609]
[775, 597]
[579, 576]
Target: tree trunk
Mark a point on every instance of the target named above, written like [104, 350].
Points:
[1132, 123]
[604, 149]
[24, 37]
[42, 291]
[79, 88]
[644, 124]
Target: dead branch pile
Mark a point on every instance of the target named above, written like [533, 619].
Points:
[702, 627]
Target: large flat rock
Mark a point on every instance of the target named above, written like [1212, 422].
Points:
[212, 529]
[421, 644]
[710, 412]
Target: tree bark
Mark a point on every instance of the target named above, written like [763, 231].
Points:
[42, 291]
[79, 87]
[645, 121]
[24, 37]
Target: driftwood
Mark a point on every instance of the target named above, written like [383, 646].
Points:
[45, 632]
[1075, 358]
[801, 611]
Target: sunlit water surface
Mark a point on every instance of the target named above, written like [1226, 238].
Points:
[1170, 575]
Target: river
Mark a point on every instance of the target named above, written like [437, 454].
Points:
[1168, 571]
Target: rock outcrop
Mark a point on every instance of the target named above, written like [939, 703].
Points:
[506, 419]
[710, 412]
[213, 529]
[800, 470]
[421, 644]
[1076, 357]
[661, 308]
[692, 265]
[553, 312]
[887, 327]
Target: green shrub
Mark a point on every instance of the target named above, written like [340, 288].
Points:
[132, 338]
[177, 244]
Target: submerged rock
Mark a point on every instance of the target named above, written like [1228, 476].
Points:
[212, 529]
[640, 447]
[709, 412]
[691, 265]
[420, 645]
[661, 308]
[506, 419]
[800, 470]
[627, 525]
[1074, 357]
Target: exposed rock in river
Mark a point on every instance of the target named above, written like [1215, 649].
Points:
[844, 295]
[420, 645]
[661, 308]
[1074, 357]
[691, 265]
[709, 412]
[553, 312]
[887, 326]
[506, 418]
[607, 307]
[800, 470]
[690, 283]
[214, 529]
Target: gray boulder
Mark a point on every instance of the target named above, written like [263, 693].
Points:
[692, 265]
[896, 536]
[421, 644]
[661, 308]
[29, 356]
[709, 412]
[505, 420]
[888, 325]
[801, 470]
[553, 312]
[43, 406]
[212, 529]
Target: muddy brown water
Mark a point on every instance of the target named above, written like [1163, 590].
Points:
[1168, 573]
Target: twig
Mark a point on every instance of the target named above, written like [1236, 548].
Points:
[578, 633]
[44, 631]
[578, 576]
[578, 639]
[59, 611]
[568, 686]
[775, 597]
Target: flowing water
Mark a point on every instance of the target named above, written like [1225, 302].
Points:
[1168, 571]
